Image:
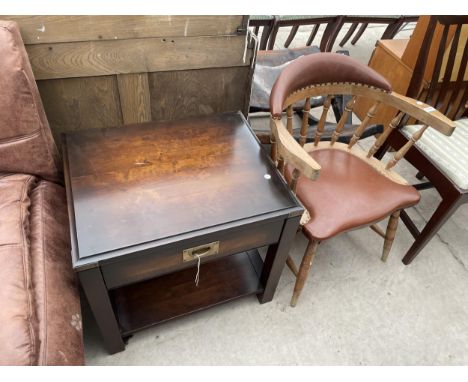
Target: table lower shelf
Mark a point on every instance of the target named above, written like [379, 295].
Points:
[148, 303]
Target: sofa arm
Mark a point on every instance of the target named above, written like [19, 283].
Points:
[54, 282]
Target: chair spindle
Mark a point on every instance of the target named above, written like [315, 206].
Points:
[289, 113]
[378, 230]
[305, 122]
[357, 134]
[401, 153]
[295, 176]
[381, 139]
[339, 127]
[280, 165]
[274, 148]
[323, 119]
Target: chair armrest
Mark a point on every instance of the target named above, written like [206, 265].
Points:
[424, 113]
[292, 152]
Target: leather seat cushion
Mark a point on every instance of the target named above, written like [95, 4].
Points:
[55, 286]
[349, 193]
[19, 342]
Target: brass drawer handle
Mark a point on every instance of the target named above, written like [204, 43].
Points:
[201, 251]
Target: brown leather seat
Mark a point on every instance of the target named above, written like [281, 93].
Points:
[348, 194]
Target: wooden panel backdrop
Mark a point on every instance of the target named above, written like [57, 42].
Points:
[101, 71]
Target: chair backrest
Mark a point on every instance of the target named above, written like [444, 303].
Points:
[447, 89]
[329, 74]
[26, 143]
[332, 28]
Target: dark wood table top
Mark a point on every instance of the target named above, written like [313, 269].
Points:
[142, 183]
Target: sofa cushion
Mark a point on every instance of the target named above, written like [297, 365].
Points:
[449, 154]
[26, 143]
[19, 343]
[55, 288]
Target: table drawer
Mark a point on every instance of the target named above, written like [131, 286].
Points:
[158, 261]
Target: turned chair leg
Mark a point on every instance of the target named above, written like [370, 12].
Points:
[304, 270]
[390, 234]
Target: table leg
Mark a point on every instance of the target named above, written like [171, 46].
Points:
[275, 259]
[98, 298]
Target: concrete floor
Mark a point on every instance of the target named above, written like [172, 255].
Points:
[354, 309]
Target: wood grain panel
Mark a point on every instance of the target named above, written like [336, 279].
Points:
[81, 103]
[48, 29]
[385, 60]
[97, 58]
[182, 94]
[411, 53]
[92, 71]
[134, 97]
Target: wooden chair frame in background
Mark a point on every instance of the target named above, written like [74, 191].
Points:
[394, 25]
[266, 22]
[334, 24]
[332, 29]
[450, 98]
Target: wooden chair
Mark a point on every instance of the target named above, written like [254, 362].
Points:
[332, 25]
[341, 186]
[443, 161]
[262, 21]
[394, 25]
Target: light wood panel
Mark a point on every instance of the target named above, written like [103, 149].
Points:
[134, 97]
[387, 55]
[53, 29]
